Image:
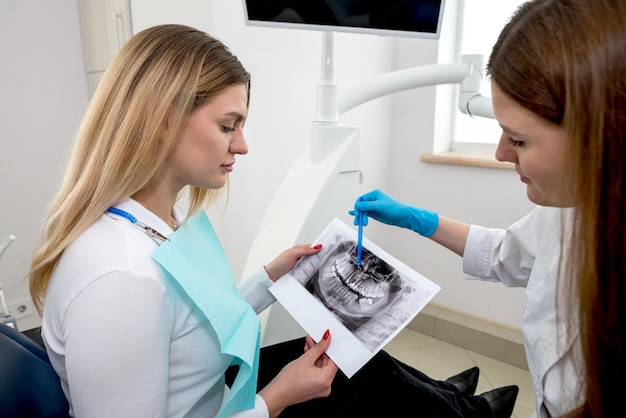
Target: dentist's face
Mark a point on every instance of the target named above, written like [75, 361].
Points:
[537, 147]
[356, 294]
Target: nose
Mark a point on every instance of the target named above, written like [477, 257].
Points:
[505, 151]
[239, 145]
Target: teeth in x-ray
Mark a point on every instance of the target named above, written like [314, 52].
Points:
[366, 290]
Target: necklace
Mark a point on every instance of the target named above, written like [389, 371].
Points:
[151, 232]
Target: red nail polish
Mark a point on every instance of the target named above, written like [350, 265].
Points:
[326, 335]
[317, 247]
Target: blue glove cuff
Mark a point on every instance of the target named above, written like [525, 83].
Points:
[423, 221]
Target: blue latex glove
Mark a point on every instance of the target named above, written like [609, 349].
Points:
[390, 211]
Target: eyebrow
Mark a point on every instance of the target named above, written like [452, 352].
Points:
[235, 115]
[509, 131]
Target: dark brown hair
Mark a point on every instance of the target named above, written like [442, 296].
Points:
[565, 60]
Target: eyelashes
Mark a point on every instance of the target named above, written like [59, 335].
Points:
[514, 142]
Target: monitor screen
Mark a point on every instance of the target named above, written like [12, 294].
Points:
[410, 18]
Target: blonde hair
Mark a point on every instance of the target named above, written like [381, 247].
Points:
[146, 95]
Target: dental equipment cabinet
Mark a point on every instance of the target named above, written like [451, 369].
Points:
[322, 181]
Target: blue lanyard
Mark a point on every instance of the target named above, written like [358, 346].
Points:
[151, 232]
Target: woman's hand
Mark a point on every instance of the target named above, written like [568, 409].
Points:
[307, 377]
[288, 258]
[390, 211]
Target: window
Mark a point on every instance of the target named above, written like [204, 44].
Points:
[482, 21]
[469, 27]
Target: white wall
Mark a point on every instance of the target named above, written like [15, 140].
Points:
[38, 120]
[43, 94]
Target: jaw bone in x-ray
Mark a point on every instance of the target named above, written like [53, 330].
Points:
[355, 294]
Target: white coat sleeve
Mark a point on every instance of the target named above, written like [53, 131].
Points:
[255, 290]
[259, 410]
[504, 255]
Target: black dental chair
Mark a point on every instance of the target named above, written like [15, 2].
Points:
[29, 386]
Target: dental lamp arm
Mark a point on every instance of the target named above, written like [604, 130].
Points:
[333, 100]
[395, 81]
[468, 74]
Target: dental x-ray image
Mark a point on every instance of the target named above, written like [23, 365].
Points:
[367, 304]
[361, 297]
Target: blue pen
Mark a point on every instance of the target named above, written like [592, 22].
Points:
[359, 243]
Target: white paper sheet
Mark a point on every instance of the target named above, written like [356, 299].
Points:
[364, 308]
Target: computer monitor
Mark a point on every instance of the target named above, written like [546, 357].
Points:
[408, 18]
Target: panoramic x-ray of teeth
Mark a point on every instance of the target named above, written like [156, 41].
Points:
[354, 293]
[364, 298]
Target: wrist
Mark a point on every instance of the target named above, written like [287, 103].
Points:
[272, 401]
[269, 273]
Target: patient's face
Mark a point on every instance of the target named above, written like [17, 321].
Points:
[354, 293]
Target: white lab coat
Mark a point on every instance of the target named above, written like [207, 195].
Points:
[527, 255]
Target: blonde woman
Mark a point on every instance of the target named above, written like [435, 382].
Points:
[125, 341]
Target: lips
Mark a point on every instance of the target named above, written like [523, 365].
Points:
[228, 167]
[523, 178]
